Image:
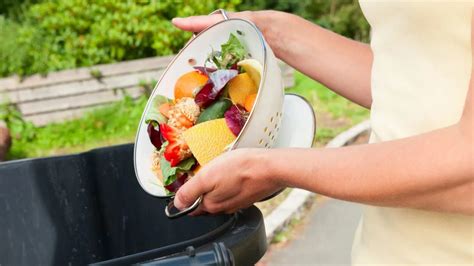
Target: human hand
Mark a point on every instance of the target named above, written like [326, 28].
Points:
[232, 181]
[268, 21]
[199, 23]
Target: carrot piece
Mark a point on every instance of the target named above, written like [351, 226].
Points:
[164, 109]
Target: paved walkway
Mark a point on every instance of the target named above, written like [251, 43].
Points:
[324, 239]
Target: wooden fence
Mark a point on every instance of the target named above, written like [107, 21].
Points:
[68, 94]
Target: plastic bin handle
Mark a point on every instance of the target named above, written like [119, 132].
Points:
[217, 255]
[173, 215]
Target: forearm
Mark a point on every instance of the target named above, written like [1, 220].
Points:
[341, 64]
[433, 171]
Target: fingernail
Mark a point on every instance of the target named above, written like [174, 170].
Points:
[177, 203]
[174, 20]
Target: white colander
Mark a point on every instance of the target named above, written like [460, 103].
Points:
[264, 122]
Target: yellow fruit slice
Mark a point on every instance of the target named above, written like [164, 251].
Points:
[240, 87]
[253, 68]
[208, 140]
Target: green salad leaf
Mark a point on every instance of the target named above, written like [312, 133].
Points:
[170, 173]
[153, 113]
[187, 164]
[231, 52]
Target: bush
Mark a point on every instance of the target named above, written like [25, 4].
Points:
[64, 34]
[21, 51]
[342, 16]
[113, 124]
[14, 8]
[51, 35]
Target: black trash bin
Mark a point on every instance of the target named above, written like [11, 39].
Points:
[89, 209]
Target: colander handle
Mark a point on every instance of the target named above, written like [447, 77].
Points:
[173, 215]
[221, 11]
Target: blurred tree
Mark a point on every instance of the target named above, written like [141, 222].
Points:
[14, 8]
[61, 34]
[38, 36]
[342, 16]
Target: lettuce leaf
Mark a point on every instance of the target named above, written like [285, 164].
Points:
[153, 114]
[170, 173]
[231, 52]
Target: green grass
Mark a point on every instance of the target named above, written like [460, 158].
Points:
[325, 100]
[118, 122]
[109, 125]
[334, 113]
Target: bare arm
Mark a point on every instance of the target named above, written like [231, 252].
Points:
[341, 64]
[432, 171]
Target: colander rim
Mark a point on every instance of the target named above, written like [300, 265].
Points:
[257, 99]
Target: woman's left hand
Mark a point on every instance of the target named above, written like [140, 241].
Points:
[232, 181]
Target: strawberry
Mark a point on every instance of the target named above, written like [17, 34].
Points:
[177, 149]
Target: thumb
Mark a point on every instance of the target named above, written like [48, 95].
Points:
[196, 23]
[190, 192]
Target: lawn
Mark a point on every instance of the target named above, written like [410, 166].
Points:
[114, 124]
[117, 124]
[334, 113]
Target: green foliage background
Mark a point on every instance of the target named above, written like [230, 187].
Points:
[342, 16]
[39, 36]
[42, 36]
[117, 123]
[61, 34]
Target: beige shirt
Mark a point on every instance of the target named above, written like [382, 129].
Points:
[420, 77]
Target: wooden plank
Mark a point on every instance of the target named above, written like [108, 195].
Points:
[14, 83]
[9, 83]
[85, 86]
[77, 101]
[134, 65]
[60, 116]
[9, 97]
[64, 115]
[78, 74]
[66, 94]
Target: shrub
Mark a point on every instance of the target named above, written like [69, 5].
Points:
[116, 123]
[61, 34]
[14, 8]
[342, 16]
[21, 51]
[64, 34]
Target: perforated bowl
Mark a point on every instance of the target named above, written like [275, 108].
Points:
[263, 124]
